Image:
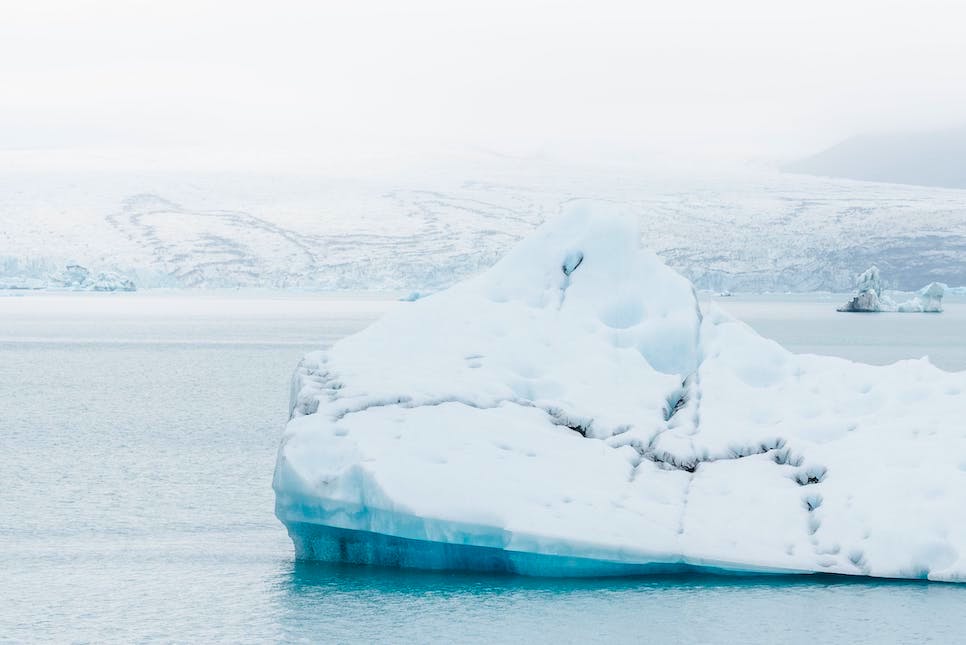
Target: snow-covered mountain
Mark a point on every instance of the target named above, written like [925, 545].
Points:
[429, 226]
[935, 158]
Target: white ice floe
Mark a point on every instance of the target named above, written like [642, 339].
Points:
[573, 411]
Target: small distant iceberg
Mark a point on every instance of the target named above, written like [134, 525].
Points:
[79, 278]
[929, 300]
[870, 297]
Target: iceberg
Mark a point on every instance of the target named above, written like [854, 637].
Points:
[930, 298]
[869, 297]
[110, 281]
[576, 410]
[79, 278]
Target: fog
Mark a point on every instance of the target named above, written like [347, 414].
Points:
[693, 79]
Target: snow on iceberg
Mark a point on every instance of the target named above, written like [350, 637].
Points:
[573, 411]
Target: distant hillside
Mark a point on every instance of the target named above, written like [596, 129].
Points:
[424, 230]
[935, 158]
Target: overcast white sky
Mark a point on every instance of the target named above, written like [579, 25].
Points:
[702, 77]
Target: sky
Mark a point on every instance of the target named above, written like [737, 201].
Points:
[695, 78]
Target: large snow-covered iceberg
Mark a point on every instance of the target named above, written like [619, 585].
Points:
[575, 411]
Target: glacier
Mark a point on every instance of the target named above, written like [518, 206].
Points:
[575, 410]
[425, 225]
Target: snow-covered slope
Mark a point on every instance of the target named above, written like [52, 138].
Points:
[573, 411]
[429, 227]
[933, 158]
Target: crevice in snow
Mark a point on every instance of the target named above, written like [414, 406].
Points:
[810, 475]
[684, 502]
[571, 262]
[568, 266]
[312, 384]
[812, 501]
[584, 426]
[407, 403]
[581, 425]
[690, 399]
[676, 401]
[691, 462]
[785, 457]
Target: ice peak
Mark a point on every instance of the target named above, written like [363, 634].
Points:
[869, 281]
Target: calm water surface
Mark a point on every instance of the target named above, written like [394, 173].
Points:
[809, 323]
[137, 441]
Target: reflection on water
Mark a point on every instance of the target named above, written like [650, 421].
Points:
[343, 602]
[136, 454]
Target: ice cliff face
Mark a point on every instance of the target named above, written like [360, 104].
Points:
[573, 411]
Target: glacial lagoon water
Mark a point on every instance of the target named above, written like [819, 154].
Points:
[137, 441]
